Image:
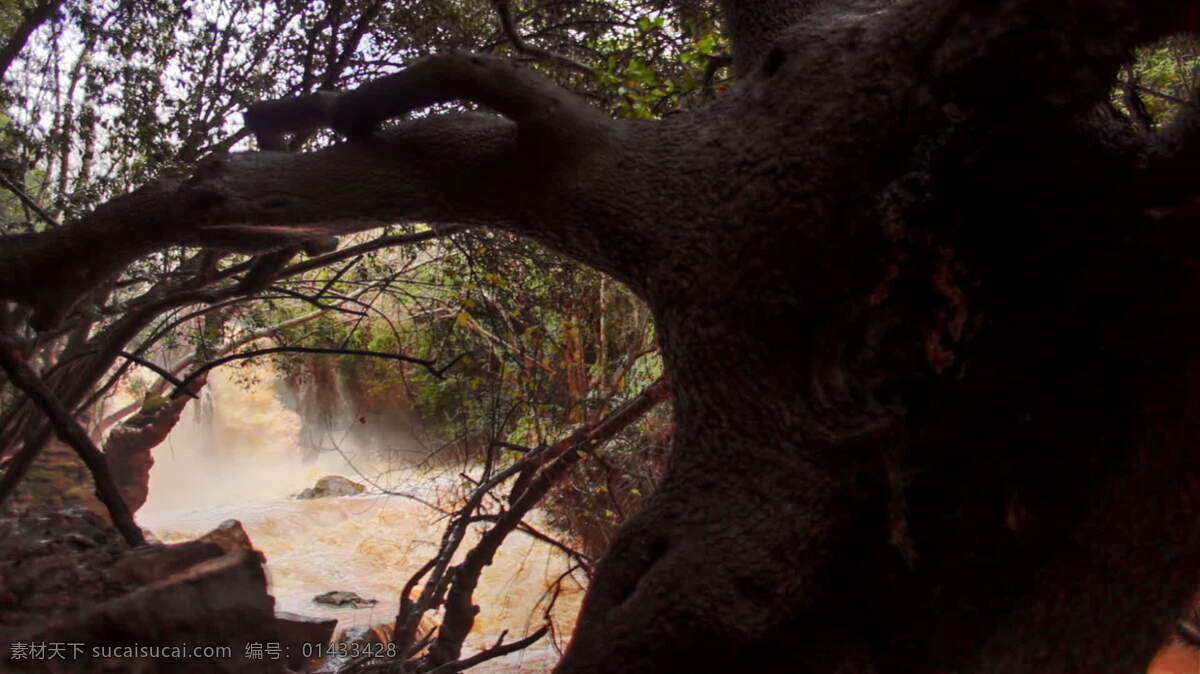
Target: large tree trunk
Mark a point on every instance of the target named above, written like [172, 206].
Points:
[936, 393]
[929, 320]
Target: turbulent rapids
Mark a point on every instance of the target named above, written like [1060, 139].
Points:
[244, 462]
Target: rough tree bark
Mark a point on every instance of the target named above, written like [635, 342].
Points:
[930, 320]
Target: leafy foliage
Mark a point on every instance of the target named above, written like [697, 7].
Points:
[1158, 82]
[106, 97]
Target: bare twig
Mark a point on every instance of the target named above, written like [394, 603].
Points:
[537, 472]
[427, 364]
[504, 9]
[1160, 94]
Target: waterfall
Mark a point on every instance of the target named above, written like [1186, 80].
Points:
[241, 455]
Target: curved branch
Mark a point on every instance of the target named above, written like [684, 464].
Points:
[553, 122]
[561, 175]
[427, 364]
[160, 371]
[33, 17]
[455, 169]
[51, 271]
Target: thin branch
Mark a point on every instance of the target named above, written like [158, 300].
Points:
[514, 447]
[28, 200]
[532, 532]
[538, 472]
[336, 68]
[160, 371]
[337, 276]
[316, 302]
[427, 364]
[370, 246]
[715, 63]
[408, 618]
[70, 432]
[504, 9]
[183, 363]
[1160, 94]
[1188, 632]
[491, 653]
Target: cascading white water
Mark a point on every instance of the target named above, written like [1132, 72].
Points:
[247, 464]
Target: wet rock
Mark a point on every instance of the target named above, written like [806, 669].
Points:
[229, 535]
[53, 562]
[150, 563]
[379, 633]
[332, 485]
[343, 598]
[366, 634]
[303, 635]
[67, 579]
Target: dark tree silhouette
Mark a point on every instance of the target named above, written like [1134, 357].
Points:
[929, 315]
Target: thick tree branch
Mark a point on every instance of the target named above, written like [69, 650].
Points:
[753, 26]
[552, 121]
[1038, 57]
[74, 435]
[52, 271]
[29, 201]
[561, 174]
[457, 169]
[42, 11]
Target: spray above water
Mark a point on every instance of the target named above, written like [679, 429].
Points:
[239, 455]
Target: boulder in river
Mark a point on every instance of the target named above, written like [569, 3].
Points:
[343, 598]
[229, 535]
[332, 485]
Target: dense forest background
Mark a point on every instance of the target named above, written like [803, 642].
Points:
[104, 98]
